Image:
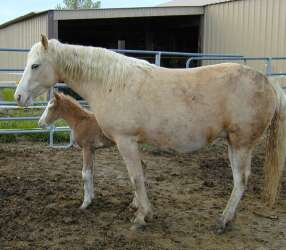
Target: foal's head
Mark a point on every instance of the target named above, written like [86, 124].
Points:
[52, 112]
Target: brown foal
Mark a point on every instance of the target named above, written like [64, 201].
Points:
[87, 135]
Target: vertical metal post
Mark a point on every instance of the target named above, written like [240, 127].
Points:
[269, 66]
[51, 135]
[158, 59]
[50, 93]
[189, 61]
[71, 138]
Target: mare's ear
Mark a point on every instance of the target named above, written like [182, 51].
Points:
[44, 41]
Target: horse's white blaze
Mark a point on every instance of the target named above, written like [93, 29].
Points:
[23, 89]
[35, 80]
[87, 178]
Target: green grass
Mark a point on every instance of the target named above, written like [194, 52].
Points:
[7, 94]
[58, 137]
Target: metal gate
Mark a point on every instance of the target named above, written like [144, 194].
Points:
[157, 55]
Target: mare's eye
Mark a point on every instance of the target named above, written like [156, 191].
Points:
[35, 66]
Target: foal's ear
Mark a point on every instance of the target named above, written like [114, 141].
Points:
[57, 96]
[44, 41]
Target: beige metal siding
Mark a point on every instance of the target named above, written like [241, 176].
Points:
[20, 35]
[247, 27]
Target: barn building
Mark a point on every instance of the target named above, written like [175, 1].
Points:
[245, 27]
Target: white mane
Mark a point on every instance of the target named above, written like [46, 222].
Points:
[82, 63]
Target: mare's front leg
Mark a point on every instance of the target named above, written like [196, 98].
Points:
[128, 149]
[87, 176]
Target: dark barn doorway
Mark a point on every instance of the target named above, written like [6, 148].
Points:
[168, 33]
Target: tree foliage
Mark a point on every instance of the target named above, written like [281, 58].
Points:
[78, 4]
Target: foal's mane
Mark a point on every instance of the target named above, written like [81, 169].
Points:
[105, 67]
[69, 104]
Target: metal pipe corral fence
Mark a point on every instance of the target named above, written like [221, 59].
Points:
[158, 55]
[268, 62]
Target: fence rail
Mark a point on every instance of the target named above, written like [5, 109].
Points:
[158, 55]
[267, 60]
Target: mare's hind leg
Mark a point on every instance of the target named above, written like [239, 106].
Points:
[240, 161]
[87, 176]
[135, 204]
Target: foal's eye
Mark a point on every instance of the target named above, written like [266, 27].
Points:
[35, 66]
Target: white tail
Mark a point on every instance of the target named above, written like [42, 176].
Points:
[275, 149]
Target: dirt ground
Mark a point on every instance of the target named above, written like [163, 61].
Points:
[41, 191]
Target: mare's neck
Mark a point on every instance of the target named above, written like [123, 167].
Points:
[82, 68]
[91, 70]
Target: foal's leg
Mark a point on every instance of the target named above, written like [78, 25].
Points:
[240, 159]
[128, 149]
[87, 176]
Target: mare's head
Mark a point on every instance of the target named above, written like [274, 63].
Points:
[39, 74]
[52, 111]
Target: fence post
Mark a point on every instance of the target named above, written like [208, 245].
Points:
[158, 59]
[269, 66]
[51, 137]
[51, 134]
[189, 61]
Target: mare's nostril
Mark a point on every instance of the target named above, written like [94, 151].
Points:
[19, 98]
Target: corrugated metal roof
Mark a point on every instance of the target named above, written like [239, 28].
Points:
[191, 2]
[113, 13]
[22, 18]
[173, 7]
[127, 12]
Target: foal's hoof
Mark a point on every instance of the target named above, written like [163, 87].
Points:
[84, 205]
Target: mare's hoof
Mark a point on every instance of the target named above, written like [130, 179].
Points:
[138, 227]
[220, 226]
[138, 223]
[149, 216]
[133, 205]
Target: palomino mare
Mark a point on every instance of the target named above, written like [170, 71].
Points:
[87, 135]
[183, 109]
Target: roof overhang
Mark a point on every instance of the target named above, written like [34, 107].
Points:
[112, 13]
[22, 18]
[126, 12]
[192, 2]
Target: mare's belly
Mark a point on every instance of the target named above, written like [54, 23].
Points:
[179, 142]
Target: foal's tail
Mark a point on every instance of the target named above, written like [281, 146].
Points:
[275, 149]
